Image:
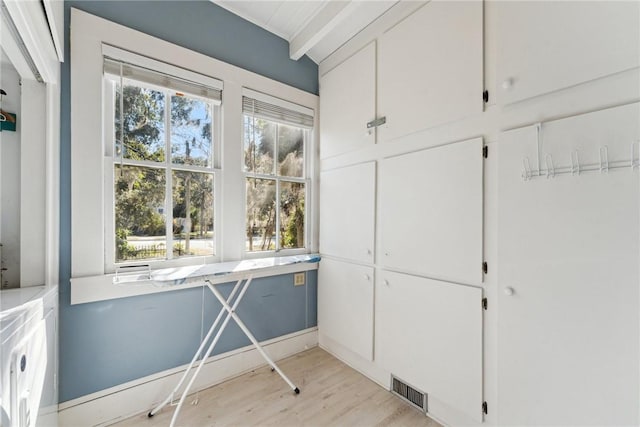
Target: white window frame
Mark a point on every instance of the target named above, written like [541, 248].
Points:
[306, 178]
[89, 275]
[111, 161]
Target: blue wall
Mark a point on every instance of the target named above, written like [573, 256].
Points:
[107, 343]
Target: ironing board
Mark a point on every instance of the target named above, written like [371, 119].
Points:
[212, 275]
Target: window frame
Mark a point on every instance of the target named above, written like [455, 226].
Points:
[306, 178]
[90, 280]
[111, 161]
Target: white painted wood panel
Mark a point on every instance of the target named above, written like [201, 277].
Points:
[568, 249]
[431, 212]
[429, 334]
[347, 212]
[345, 305]
[544, 46]
[430, 68]
[347, 103]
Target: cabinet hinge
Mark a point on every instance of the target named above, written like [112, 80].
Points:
[485, 303]
[485, 267]
[485, 151]
[485, 408]
[485, 96]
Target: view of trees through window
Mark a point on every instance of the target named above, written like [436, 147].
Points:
[274, 166]
[163, 174]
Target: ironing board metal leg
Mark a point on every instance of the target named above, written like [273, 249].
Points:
[250, 336]
[195, 356]
[225, 307]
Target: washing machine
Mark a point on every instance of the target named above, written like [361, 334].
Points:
[23, 363]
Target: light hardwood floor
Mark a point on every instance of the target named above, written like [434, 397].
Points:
[332, 394]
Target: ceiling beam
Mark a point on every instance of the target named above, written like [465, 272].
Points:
[319, 26]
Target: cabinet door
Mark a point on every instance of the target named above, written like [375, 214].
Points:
[431, 212]
[347, 212]
[347, 103]
[568, 330]
[429, 334]
[345, 305]
[544, 46]
[430, 68]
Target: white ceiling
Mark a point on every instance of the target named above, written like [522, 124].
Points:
[315, 28]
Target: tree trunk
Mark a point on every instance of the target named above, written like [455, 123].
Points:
[187, 222]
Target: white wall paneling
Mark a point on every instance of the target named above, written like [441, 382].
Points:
[429, 333]
[33, 181]
[348, 104]
[347, 208]
[568, 334]
[546, 46]
[430, 68]
[345, 305]
[522, 361]
[431, 212]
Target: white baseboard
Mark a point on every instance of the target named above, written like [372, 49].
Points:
[366, 367]
[438, 411]
[117, 403]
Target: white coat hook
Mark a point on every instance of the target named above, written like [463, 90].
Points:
[604, 159]
[575, 163]
[551, 172]
[635, 159]
[526, 173]
[539, 143]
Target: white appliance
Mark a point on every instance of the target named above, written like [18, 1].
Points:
[27, 359]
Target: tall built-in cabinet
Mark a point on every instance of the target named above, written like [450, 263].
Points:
[423, 245]
[479, 209]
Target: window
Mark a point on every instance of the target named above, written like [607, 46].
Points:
[162, 150]
[275, 137]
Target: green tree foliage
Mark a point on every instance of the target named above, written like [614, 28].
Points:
[261, 138]
[140, 191]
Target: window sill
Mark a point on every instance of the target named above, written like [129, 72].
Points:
[105, 287]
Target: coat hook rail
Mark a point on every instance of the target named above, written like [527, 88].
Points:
[576, 168]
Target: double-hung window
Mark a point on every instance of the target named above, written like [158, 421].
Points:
[276, 137]
[162, 161]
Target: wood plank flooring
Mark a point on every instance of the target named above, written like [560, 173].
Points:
[332, 394]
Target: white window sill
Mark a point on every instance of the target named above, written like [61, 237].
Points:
[106, 287]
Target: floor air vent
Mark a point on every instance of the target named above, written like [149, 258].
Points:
[408, 393]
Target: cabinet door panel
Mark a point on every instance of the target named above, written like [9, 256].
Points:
[544, 46]
[347, 103]
[431, 212]
[429, 333]
[568, 330]
[430, 68]
[347, 212]
[345, 305]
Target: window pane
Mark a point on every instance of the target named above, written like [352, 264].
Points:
[259, 143]
[290, 151]
[291, 215]
[192, 214]
[191, 139]
[142, 122]
[139, 213]
[261, 214]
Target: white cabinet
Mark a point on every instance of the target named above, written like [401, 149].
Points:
[544, 46]
[345, 305]
[431, 212]
[347, 104]
[430, 68]
[347, 212]
[429, 334]
[568, 296]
